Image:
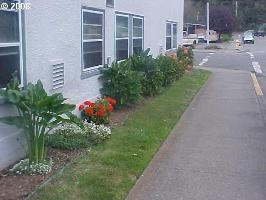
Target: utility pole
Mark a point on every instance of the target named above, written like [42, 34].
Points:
[236, 9]
[208, 23]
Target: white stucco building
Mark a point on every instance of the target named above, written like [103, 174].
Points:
[64, 43]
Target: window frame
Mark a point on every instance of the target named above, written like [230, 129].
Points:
[142, 32]
[172, 35]
[17, 44]
[128, 38]
[90, 10]
[130, 32]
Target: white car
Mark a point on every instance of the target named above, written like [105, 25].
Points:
[248, 37]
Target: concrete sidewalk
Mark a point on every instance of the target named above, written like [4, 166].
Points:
[216, 152]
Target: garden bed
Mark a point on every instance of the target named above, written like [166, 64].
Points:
[112, 168]
[18, 187]
[153, 85]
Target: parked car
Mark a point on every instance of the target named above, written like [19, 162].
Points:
[213, 36]
[261, 30]
[248, 37]
[259, 33]
[189, 39]
[252, 31]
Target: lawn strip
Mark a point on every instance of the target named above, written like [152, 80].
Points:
[111, 169]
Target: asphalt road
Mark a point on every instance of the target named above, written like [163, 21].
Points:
[250, 58]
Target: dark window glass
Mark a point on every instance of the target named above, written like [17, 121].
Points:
[137, 46]
[92, 25]
[122, 27]
[92, 39]
[92, 54]
[9, 27]
[137, 27]
[92, 18]
[174, 36]
[168, 43]
[168, 29]
[92, 32]
[121, 49]
[9, 63]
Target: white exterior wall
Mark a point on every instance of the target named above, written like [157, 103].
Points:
[53, 35]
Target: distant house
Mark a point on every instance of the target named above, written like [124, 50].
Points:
[64, 43]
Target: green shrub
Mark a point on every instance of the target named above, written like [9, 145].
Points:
[152, 77]
[169, 68]
[226, 37]
[152, 83]
[185, 56]
[121, 83]
[190, 56]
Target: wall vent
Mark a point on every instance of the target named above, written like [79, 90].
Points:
[58, 76]
[110, 3]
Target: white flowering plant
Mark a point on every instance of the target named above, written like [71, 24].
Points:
[70, 136]
[67, 136]
[31, 168]
[96, 133]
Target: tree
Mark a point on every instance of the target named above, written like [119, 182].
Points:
[251, 14]
[222, 19]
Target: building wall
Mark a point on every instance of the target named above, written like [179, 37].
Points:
[52, 35]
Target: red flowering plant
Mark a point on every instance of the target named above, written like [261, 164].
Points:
[98, 111]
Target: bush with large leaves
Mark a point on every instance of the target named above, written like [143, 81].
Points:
[38, 113]
[121, 83]
[152, 76]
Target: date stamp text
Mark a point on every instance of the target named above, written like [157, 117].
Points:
[15, 6]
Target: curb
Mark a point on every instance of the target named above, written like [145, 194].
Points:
[220, 50]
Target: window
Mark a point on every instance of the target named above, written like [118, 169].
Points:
[92, 39]
[174, 35]
[110, 3]
[137, 35]
[129, 35]
[10, 44]
[171, 35]
[122, 37]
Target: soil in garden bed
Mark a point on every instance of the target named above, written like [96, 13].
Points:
[19, 187]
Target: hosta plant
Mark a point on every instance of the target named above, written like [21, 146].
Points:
[38, 113]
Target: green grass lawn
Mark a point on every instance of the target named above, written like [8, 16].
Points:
[111, 169]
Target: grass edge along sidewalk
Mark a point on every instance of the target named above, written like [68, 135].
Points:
[110, 170]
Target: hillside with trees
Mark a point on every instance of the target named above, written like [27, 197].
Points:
[228, 14]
